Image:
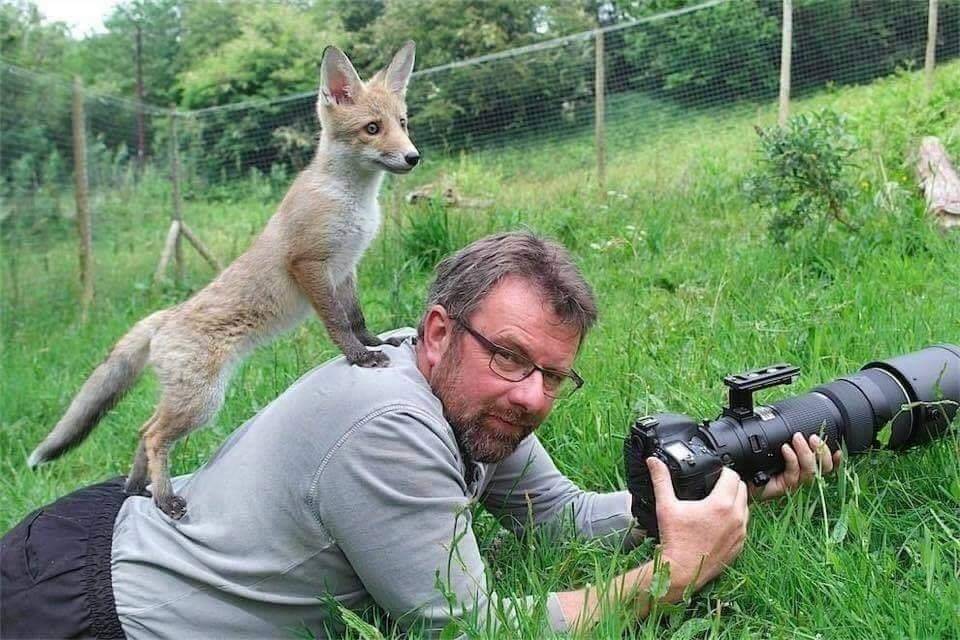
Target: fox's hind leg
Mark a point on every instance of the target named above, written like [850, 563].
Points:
[157, 441]
[193, 391]
[158, 438]
[139, 471]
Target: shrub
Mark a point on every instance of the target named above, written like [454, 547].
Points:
[804, 173]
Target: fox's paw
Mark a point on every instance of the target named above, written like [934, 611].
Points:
[135, 486]
[172, 505]
[370, 340]
[368, 358]
[367, 339]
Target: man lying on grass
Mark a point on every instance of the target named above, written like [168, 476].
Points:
[355, 483]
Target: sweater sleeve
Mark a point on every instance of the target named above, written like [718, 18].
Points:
[528, 489]
[393, 498]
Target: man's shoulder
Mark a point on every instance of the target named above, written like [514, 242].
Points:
[336, 397]
[393, 433]
[336, 384]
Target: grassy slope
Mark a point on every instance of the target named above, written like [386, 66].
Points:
[690, 289]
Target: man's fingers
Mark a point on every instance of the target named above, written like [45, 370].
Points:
[740, 500]
[808, 460]
[662, 485]
[791, 470]
[727, 483]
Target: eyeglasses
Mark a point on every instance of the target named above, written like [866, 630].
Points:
[516, 367]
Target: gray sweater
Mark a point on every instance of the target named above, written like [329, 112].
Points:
[349, 485]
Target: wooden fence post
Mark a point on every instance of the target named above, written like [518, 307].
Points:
[931, 57]
[786, 49]
[80, 194]
[178, 228]
[599, 108]
[177, 202]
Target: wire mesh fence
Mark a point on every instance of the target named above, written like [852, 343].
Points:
[655, 73]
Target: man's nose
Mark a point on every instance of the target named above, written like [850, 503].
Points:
[528, 394]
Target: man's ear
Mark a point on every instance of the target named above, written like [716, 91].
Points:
[397, 74]
[339, 81]
[437, 334]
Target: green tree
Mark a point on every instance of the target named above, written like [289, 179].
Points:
[28, 40]
[474, 104]
[108, 61]
[208, 25]
[275, 51]
[450, 30]
[34, 114]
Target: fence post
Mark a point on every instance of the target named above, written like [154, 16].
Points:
[931, 58]
[178, 228]
[786, 49]
[177, 203]
[141, 127]
[599, 91]
[80, 194]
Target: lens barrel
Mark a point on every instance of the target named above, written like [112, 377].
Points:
[931, 379]
[917, 394]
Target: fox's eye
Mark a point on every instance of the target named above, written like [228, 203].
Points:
[373, 128]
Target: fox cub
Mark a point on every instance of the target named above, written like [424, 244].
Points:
[305, 257]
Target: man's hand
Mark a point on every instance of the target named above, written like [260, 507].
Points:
[700, 537]
[804, 460]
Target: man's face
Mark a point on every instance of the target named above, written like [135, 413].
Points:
[490, 415]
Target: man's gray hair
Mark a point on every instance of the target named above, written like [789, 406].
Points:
[465, 278]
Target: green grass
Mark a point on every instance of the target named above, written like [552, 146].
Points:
[690, 289]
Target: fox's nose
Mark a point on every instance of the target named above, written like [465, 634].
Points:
[412, 159]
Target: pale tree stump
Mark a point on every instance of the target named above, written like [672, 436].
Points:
[940, 182]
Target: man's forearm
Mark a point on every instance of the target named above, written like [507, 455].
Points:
[583, 607]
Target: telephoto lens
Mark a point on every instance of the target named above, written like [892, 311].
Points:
[917, 394]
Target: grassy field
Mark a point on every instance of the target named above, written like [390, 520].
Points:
[691, 289]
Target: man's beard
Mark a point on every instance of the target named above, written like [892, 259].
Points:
[478, 439]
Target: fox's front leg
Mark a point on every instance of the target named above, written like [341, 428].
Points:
[347, 295]
[315, 281]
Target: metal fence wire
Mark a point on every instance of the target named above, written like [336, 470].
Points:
[655, 73]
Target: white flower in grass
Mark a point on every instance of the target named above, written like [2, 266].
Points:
[606, 245]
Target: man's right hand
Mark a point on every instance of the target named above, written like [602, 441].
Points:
[699, 537]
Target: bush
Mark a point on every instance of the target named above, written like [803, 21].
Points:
[804, 173]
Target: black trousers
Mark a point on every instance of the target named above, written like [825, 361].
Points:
[55, 568]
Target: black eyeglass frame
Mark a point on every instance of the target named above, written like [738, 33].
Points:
[496, 349]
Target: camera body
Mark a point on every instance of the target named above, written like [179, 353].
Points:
[917, 394]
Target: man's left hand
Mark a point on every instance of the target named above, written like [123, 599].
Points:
[804, 460]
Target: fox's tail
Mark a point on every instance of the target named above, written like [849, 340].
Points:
[108, 383]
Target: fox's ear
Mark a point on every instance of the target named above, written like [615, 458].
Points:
[339, 81]
[396, 76]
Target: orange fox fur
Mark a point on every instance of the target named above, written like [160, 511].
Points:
[305, 257]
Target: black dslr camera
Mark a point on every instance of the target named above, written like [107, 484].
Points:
[917, 393]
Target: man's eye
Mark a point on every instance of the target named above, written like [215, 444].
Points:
[512, 360]
[373, 128]
[553, 380]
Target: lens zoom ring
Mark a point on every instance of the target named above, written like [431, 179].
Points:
[856, 410]
[806, 414]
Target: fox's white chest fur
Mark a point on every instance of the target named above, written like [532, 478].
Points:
[353, 223]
